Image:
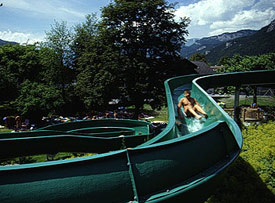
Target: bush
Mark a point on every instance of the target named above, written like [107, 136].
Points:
[252, 177]
[37, 100]
[259, 151]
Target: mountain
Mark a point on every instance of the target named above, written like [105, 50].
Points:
[205, 44]
[2, 42]
[261, 42]
[190, 42]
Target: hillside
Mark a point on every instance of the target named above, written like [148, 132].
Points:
[205, 44]
[2, 42]
[260, 42]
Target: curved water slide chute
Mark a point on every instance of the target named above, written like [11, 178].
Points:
[184, 163]
[91, 136]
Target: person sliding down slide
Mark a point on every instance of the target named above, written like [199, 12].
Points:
[191, 106]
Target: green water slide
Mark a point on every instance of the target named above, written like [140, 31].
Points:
[184, 163]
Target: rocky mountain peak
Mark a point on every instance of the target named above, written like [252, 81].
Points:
[271, 26]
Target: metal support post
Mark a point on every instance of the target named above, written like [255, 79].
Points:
[236, 103]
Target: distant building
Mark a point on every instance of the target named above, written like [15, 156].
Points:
[189, 67]
[215, 68]
[183, 67]
[202, 68]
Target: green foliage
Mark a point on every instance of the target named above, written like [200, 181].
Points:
[251, 177]
[96, 64]
[49, 62]
[259, 150]
[97, 85]
[84, 35]
[5, 130]
[17, 64]
[126, 55]
[26, 67]
[158, 114]
[59, 39]
[240, 63]
[223, 60]
[198, 57]
[147, 36]
[37, 99]
[248, 63]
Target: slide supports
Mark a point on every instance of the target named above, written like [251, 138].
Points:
[236, 103]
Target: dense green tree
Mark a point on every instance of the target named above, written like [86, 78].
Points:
[59, 39]
[223, 60]
[249, 63]
[49, 62]
[198, 57]
[96, 65]
[17, 64]
[37, 100]
[83, 39]
[98, 81]
[146, 38]
[25, 72]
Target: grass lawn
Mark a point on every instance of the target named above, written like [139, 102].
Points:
[159, 115]
[43, 158]
[5, 130]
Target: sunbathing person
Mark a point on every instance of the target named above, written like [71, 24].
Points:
[191, 106]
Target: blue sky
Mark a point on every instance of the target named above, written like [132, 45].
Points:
[28, 20]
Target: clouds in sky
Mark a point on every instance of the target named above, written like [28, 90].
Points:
[19, 37]
[29, 19]
[212, 17]
[57, 9]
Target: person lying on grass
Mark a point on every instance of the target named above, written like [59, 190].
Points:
[191, 106]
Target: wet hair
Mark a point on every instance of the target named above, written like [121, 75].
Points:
[187, 91]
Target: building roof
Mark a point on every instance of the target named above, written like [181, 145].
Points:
[202, 68]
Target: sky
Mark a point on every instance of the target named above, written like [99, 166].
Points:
[27, 21]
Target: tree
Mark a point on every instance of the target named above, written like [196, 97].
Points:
[98, 81]
[95, 64]
[84, 34]
[37, 100]
[17, 64]
[147, 40]
[59, 39]
[198, 57]
[249, 63]
[223, 60]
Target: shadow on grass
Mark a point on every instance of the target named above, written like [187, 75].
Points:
[242, 184]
